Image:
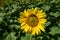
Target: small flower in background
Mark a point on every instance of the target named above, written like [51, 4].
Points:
[33, 21]
[2, 3]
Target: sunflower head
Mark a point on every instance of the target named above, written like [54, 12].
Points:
[2, 2]
[33, 21]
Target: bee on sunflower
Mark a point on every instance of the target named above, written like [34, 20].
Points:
[33, 21]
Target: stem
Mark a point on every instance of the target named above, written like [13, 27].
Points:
[30, 37]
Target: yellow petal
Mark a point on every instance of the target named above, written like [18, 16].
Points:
[40, 14]
[37, 31]
[21, 20]
[42, 28]
[22, 27]
[35, 11]
[42, 21]
[26, 28]
[22, 24]
[30, 11]
[33, 32]
[30, 29]
[26, 14]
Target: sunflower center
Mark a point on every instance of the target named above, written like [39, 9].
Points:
[32, 20]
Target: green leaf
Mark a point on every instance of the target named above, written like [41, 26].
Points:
[11, 36]
[11, 20]
[57, 14]
[27, 37]
[48, 23]
[58, 38]
[1, 19]
[5, 34]
[14, 25]
[52, 39]
[31, 6]
[55, 1]
[1, 16]
[46, 7]
[54, 30]
[58, 23]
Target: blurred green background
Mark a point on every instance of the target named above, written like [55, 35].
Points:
[9, 13]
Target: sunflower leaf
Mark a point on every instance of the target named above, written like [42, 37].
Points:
[57, 14]
[48, 23]
[27, 37]
[54, 30]
[46, 7]
[11, 36]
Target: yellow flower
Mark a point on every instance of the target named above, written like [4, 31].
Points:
[2, 3]
[33, 21]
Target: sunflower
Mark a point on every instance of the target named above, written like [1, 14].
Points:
[2, 3]
[32, 21]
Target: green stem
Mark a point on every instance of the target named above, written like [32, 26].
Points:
[30, 37]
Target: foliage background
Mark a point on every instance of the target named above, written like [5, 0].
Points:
[10, 28]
